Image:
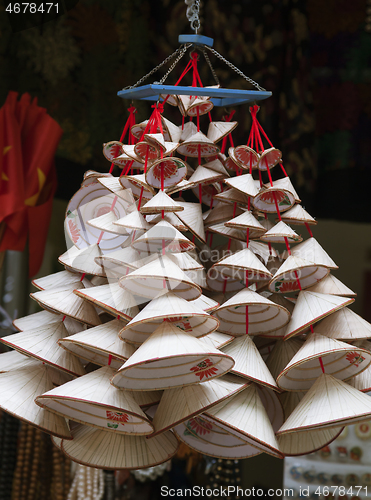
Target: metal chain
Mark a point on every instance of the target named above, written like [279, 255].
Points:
[210, 66]
[182, 49]
[181, 54]
[193, 14]
[232, 66]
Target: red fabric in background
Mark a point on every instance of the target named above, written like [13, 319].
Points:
[29, 138]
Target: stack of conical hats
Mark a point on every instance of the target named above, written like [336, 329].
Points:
[170, 322]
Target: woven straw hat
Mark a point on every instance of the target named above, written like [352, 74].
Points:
[56, 280]
[295, 274]
[161, 202]
[199, 106]
[269, 158]
[245, 184]
[135, 221]
[36, 319]
[111, 298]
[311, 307]
[196, 142]
[208, 438]
[170, 358]
[338, 359]
[333, 286]
[263, 314]
[308, 442]
[41, 344]
[191, 216]
[169, 217]
[162, 235]
[281, 355]
[244, 157]
[136, 183]
[232, 196]
[246, 415]
[222, 213]
[172, 169]
[248, 362]
[13, 360]
[185, 261]
[263, 251]
[247, 221]
[344, 325]
[230, 232]
[204, 175]
[92, 400]
[206, 303]
[106, 222]
[298, 216]
[279, 232]
[82, 260]
[181, 403]
[219, 340]
[284, 193]
[158, 277]
[121, 260]
[100, 345]
[180, 312]
[239, 263]
[104, 450]
[18, 391]
[112, 150]
[218, 166]
[189, 129]
[311, 250]
[218, 283]
[64, 301]
[328, 403]
[150, 149]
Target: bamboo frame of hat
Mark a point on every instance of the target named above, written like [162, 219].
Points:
[159, 335]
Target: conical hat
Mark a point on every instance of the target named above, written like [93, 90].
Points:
[136, 183]
[100, 345]
[129, 150]
[206, 303]
[189, 129]
[111, 298]
[111, 150]
[298, 216]
[82, 260]
[162, 235]
[281, 355]
[34, 320]
[232, 196]
[292, 445]
[195, 142]
[92, 400]
[135, 220]
[41, 343]
[280, 232]
[264, 315]
[122, 260]
[243, 183]
[18, 391]
[180, 312]
[114, 185]
[244, 157]
[161, 202]
[272, 405]
[230, 232]
[286, 184]
[362, 382]
[222, 213]
[105, 222]
[311, 307]
[333, 286]
[185, 261]
[103, 450]
[171, 132]
[172, 169]
[200, 106]
[263, 250]
[13, 360]
[218, 166]
[56, 280]
[181, 186]
[170, 358]
[146, 399]
[64, 301]
[338, 358]
[157, 140]
[216, 282]
[181, 403]
[269, 158]
[307, 273]
[184, 101]
[198, 276]
[169, 217]
[311, 250]
[148, 149]
[328, 403]
[247, 221]
[192, 218]
[243, 261]
[219, 340]
[282, 191]
[208, 438]
[345, 325]
[218, 130]
[204, 175]
[248, 362]
[246, 414]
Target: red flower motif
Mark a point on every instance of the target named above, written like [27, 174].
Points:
[269, 196]
[169, 168]
[204, 369]
[286, 286]
[199, 426]
[74, 232]
[355, 358]
[115, 151]
[118, 416]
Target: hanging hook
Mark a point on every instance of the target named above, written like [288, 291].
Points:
[193, 14]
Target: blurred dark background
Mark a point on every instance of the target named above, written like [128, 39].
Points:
[313, 55]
